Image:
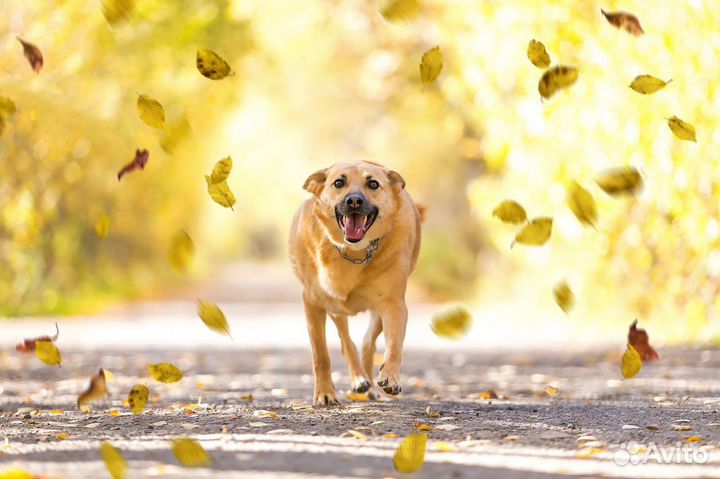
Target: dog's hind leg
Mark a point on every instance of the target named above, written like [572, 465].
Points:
[359, 381]
[324, 388]
[368, 347]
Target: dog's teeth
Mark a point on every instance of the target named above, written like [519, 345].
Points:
[365, 221]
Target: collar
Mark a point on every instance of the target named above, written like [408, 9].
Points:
[369, 252]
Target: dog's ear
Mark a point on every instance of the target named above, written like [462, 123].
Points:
[396, 180]
[315, 182]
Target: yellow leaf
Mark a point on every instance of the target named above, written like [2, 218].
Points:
[512, 438]
[114, 460]
[588, 452]
[116, 11]
[190, 453]
[431, 413]
[421, 426]
[357, 434]
[114, 413]
[693, 439]
[62, 436]
[16, 474]
[681, 129]
[557, 78]
[400, 10]
[631, 363]
[647, 84]
[537, 54]
[443, 446]
[431, 65]
[564, 297]
[489, 394]
[535, 233]
[7, 106]
[220, 193]
[390, 435]
[453, 322]
[96, 390]
[213, 317]
[102, 225]
[181, 251]
[510, 211]
[582, 204]
[165, 372]
[247, 398]
[57, 412]
[151, 111]
[263, 413]
[551, 391]
[619, 181]
[410, 455]
[357, 397]
[222, 170]
[211, 65]
[681, 427]
[174, 135]
[48, 353]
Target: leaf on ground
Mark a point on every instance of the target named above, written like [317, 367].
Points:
[247, 398]
[682, 129]
[537, 54]
[190, 453]
[211, 65]
[33, 54]
[510, 211]
[48, 353]
[564, 297]
[357, 397]
[582, 204]
[151, 111]
[213, 317]
[535, 233]
[620, 181]
[390, 435]
[489, 394]
[165, 372]
[431, 413]
[357, 434]
[114, 460]
[624, 21]
[61, 436]
[138, 163]
[631, 363]
[431, 65]
[138, 398]
[692, 439]
[557, 78]
[220, 193]
[551, 390]
[447, 427]
[262, 413]
[221, 170]
[681, 427]
[102, 225]
[117, 11]
[443, 446]
[648, 84]
[421, 426]
[96, 390]
[181, 251]
[639, 339]
[410, 455]
[452, 323]
[28, 345]
[400, 10]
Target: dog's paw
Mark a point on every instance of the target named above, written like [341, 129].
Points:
[389, 384]
[360, 385]
[326, 399]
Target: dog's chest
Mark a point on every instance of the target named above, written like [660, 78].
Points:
[344, 288]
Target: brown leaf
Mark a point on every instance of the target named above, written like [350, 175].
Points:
[639, 339]
[141, 159]
[96, 389]
[624, 21]
[33, 54]
[28, 345]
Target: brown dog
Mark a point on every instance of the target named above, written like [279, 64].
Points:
[353, 246]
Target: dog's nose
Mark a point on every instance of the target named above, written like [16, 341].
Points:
[354, 200]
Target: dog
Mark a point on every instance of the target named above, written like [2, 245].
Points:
[353, 246]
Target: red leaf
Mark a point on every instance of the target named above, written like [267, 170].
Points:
[141, 159]
[639, 339]
[624, 21]
[28, 345]
[33, 54]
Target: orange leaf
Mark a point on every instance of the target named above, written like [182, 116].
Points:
[624, 21]
[33, 54]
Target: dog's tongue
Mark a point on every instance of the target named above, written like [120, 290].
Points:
[354, 227]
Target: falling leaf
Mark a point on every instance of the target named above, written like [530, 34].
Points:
[357, 434]
[564, 297]
[557, 78]
[151, 111]
[138, 398]
[48, 353]
[582, 204]
[693, 439]
[431, 65]
[165, 372]
[102, 225]
[410, 455]
[220, 193]
[114, 460]
[510, 211]
[537, 54]
[222, 170]
[7, 106]
[431, 413]
[551, 391]
[190, 453]
[681, 129]
[95, 391]
[33, 54]
[174, 135]
[211, 65]
[624, 21]
[647, 84]
[139, 162]
[117, 11]
[640, 341]
[213, 317]
[181, 251]
[619, 181]
[453, 322]
[631, 363]
[535, 233]
[28, 345]
[400, 10]
[16, 473]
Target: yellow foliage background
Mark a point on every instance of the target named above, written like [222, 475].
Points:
[318, 81]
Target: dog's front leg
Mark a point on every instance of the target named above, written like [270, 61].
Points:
[324, 388]
[394, 320]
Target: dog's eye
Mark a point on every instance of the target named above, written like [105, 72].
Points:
[339, 183]
[373, 185]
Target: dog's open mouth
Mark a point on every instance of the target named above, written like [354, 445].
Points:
[355, 225]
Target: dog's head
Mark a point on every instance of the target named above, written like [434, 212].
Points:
[354, 199]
